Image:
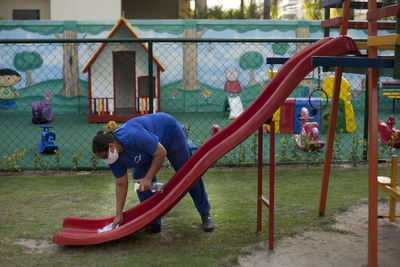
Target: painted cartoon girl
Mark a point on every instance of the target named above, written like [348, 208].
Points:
[232, 84]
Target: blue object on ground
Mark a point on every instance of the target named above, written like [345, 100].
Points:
[46, 142]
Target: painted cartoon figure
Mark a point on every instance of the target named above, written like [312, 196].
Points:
[8, 94]
[232, 101]
[232, 84]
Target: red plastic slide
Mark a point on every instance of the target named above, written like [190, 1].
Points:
[83, 231]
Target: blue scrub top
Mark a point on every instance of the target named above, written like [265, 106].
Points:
[139, 138]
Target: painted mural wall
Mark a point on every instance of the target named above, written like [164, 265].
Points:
[199, 70]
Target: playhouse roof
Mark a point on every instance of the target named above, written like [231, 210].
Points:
[121, 21]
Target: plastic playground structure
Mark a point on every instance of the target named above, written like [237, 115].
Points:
[46, 143]
[308, 139]
[388, 134]
[327, 52]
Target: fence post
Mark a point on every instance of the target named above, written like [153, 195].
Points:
[151, 85]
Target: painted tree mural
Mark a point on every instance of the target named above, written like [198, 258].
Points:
[27, 62]
[71, 86]
[280, 48]
[250, 61]
[69, 30]
[190, 81]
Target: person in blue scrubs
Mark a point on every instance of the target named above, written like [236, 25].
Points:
[143, 143]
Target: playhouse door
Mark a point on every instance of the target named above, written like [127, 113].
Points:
[124, 83]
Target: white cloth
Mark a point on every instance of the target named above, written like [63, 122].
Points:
[137, 186]
[236, 107]
[106, 228]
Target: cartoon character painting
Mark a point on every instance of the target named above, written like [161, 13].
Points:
[232, 86]
[8, 94]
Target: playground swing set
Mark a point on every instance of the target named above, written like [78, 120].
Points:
[374, 64]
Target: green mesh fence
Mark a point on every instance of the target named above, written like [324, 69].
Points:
[77, 87]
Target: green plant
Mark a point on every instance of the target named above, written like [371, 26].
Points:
[45, 165]
[283, 156]
[294, 151]
[388, 148]
[337, 151]
[382, 150]
[354, 156]
[187, 128]
[242, 154]
[36, 161]
[10, 162]
[311, 155]
[202, 141]
[75, 159]
[58, 157]
[94, 159]
[365, 149]
[316, 155]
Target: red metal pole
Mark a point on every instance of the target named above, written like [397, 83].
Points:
[333, 116]
[259, 189]
[271, 184]
[373, 147]
[330, 141]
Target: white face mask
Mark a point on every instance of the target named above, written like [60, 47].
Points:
[112, 156]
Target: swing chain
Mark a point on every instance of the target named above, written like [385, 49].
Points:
[317, 90]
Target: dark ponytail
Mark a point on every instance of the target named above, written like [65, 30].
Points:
[102, 140]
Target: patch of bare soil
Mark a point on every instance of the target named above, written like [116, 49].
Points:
[37, 246]
[346, 247]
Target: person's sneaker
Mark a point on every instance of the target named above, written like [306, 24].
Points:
[151, 229]
[208, 224]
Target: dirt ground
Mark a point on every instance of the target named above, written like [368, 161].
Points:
[317, 248]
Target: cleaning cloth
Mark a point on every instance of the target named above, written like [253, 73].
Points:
[106, 228]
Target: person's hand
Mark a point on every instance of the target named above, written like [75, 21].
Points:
[144, 184]
[117, 220]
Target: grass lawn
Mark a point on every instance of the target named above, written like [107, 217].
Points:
[33, 208]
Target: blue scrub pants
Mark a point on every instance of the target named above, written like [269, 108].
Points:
[178, 153]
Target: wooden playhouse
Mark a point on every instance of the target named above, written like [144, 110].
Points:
[118, 78]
